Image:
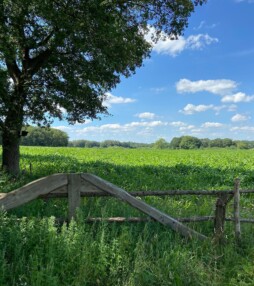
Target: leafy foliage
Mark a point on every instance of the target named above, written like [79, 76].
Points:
[44, 137]
[161, 144]
[68, 54]
[36, 251]
[190, 142]
[106, 144]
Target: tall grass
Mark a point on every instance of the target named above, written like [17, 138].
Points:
[35, 250]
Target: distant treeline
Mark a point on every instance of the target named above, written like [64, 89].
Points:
[107, 143]
[190, 142]
[183, 142]
[39, 136]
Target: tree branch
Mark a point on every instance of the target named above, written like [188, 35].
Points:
[1, 124]
[43, 42]
[46, 39]
[13, 70]
[36, 63]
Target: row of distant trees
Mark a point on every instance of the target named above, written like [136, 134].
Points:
[37, 136]
[106, 144]
[190, 142]
[183, 142]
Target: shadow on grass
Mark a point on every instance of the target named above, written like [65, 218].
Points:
[131, 178]
[178, 177]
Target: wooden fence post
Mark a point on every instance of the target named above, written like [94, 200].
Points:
[220, 216]
[237, 210]
[74, 184]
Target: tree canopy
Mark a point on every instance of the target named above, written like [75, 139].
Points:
[58, 58]
[37, 136]
[161, 144]
[189, 142]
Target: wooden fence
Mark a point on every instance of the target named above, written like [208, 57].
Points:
[75, 186]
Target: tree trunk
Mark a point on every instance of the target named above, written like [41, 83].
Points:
[11, 130]
[11, 155]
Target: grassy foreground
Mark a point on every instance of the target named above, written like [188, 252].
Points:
[35, 251]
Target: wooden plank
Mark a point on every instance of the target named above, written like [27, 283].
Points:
[246, 191]
[181, 193]
[118, 219]
[237, 210]
[142, 206]
[242, 220]
[74, 183]
[144, 219]
[61, 190]
[181, 219]
[32, 191]
[2, 195]
[87, 190]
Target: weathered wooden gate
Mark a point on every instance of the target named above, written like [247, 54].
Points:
[75, 185]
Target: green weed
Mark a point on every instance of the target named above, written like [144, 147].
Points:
[37, 251]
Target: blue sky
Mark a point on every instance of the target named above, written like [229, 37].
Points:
[200, 85]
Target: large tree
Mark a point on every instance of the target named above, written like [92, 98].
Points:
[59, 57]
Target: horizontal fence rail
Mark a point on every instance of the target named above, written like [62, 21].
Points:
[144, 219]
[89, 193]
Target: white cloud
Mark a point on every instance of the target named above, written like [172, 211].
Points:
[248, 1]
[146, 115]
[173, 47]
[110, 126]
[112, 99]
[64, 128]
[218, 109]
[239, 117]
[196, 131]
[238, 97]
[198, 42]
[212, 125]
[187, 128]
[106, 128]
[218, 86]
[243, 128]
[170, 47]
[177, 123]
[229, 108]
[232, 107]
[200, 26]
[146, 124]
[191, 109]
[203, 25]
[158, 89]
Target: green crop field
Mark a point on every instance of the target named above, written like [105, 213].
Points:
[35, 251]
